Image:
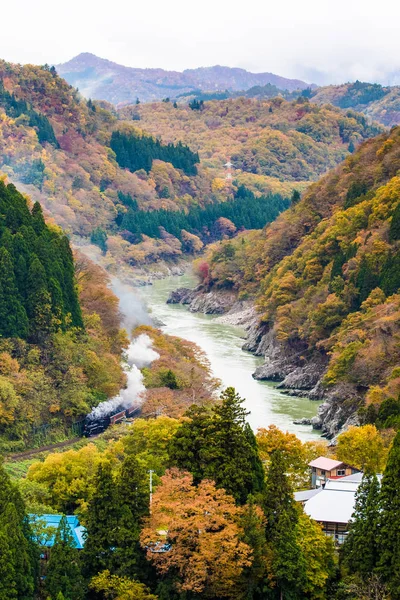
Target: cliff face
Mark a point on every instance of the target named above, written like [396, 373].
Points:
[301, 372]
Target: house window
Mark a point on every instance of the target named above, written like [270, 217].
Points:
[341, 472]
[322, 472]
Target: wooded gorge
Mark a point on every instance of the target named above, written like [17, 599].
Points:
[325, 277]
[289, 207]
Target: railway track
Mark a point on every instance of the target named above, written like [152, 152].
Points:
[33, 451]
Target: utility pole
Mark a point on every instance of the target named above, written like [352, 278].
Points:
[151, 486]
[228, 174]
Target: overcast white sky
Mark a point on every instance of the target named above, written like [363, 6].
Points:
[316, 40]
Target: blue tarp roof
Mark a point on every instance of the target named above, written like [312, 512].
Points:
[53, 521]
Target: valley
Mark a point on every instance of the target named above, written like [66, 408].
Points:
[229, 363]
[199, 321]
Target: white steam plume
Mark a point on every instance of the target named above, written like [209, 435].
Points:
[133, 310]
[140, 354]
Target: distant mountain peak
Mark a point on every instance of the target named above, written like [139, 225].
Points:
[103, 79]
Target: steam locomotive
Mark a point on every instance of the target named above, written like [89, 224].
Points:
[94, 426]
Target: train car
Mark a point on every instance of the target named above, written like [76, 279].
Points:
[93, 426]
[117, 417]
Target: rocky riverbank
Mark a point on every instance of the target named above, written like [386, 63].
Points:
[198, 300]
[298, 371]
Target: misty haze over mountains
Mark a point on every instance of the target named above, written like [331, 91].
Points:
[106, 80]
[103, 79]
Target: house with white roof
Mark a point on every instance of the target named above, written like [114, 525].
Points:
[333, 505]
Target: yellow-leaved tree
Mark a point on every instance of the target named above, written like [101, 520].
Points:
[365, 447]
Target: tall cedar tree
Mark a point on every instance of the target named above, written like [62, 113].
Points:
[360, 551]
[64, 570]
[18, 560]
[288, 565]
[220, 447]
[13, 318]
[103, 521]
[394, 231]
[253, 577]
[133, 498]
[38, 303]
[389, 538]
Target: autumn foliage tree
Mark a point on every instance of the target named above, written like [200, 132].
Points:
[113, 587]
[364, 447]
[195, 532]
[295, 453]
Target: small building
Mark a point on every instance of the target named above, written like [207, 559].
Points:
[333, 507]
[324, 468]
[333, 504]
[49, 525]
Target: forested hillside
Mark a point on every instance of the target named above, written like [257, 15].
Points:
[61, 342]
[378, 102]
[91, 168]
[59, 355]
[326, 276]
[266, 140]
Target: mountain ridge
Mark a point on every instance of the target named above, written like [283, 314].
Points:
[107, 80]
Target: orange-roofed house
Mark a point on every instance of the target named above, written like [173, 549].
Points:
[323, 468]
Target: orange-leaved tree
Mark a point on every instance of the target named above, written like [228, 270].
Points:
[196, 532]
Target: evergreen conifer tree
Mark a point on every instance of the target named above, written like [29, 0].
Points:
[253, 577]
[8, 587]
[389, 536]
[360, 551]
[394, 231]
[133, 498]
[63, 569]
[13, 318]
[288, 565]
[38, 302]
[296, 196]
[38, 222]
[103, 521]
[17, 568]
[221, 447]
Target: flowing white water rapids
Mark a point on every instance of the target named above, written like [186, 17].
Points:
[234, 367]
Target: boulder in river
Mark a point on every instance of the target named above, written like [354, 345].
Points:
[303, 421]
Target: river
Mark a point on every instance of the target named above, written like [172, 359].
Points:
[234, 367]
